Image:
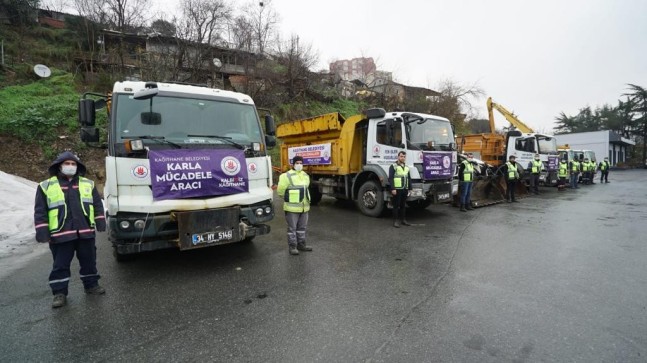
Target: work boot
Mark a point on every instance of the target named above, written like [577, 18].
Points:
[515, 201]
[294, 250]
[405, 223]
[95, 290]
[463, 208]
[303, 247]
[396, 224]
[468, 206]
[59, 301]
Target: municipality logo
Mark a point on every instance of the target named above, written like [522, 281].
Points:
[230, 165]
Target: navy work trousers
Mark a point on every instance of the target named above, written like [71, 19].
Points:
[63, 253]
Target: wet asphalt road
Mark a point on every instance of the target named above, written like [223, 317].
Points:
[558, 277]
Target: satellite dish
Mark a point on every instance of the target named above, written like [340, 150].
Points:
[42, 70]
[217, 62]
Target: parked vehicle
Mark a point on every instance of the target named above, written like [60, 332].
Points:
[186, 166]
[349, 158]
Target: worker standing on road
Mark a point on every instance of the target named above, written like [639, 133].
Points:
[593, 169]
[466, 177]
[575, 173]
[535, 167]
[512, 177]
[604, 170]
[400, 182]
[562, 173]
[586, 171]
[293, 187]
[67, 210]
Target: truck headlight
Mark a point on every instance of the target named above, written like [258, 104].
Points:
[268, 210]
[259, 212]
[139, 224]
[124, 224]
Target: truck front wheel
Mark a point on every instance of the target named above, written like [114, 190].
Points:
[371, 199]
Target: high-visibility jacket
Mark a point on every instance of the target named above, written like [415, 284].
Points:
[575, 166]
[293, 187]
[536, 166]
[468, 171]
[400, 177]
[57, 209]
[512, 171]
[604, 165]
[563, 170]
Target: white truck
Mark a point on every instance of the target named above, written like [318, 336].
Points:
[186, 166]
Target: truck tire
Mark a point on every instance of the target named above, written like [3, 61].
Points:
[370, 199]
[315, 195]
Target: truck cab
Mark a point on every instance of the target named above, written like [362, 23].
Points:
[186, 166]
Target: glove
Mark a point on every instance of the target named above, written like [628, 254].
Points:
[100, 225]
[42, 235]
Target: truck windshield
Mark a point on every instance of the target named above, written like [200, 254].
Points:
[430, 134]
[185, 121]
[547, 145]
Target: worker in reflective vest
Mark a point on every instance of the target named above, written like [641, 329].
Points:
[535, 167]
[67, 211]
[562, 173]
[593, 170]
[512, 176]
[586, 171]
[466, 178]
[293, 188]
[400, 183]
[604, 170]
[575, 173]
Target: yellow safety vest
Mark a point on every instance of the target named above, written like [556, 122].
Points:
[57, 209]
[576, 166]
[604, 165]
[563, 169]
[296, 197]
[401, 177]
[537, 166]
[513, 173]
[468, 171]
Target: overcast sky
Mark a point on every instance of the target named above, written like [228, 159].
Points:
[536, 58]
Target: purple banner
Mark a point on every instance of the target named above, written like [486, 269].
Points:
[437, 165]
[552, 163]
[177, 174]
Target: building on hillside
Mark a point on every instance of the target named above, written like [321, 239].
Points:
[603, 143]
[155, 56]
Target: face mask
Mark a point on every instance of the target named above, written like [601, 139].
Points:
[470, 158]
[537, 159]
[298, 167]
[68, 170]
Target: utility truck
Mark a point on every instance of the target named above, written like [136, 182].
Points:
[186, 166]
[520, 140]
[349, 158]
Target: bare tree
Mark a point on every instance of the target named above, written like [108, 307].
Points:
[263, 20]
[127, 15]
[202, 25]
[455, 103]
[297, 58]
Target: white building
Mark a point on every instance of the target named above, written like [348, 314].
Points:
[603, 143]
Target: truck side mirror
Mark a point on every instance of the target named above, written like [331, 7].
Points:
[270, 126]
[89, 134]
[150, 118]
[270, 140]
[452, 146]
[87, 113]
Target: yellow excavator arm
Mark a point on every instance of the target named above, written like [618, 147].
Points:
[514, 121]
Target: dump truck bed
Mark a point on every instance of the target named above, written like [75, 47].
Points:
[309, 135]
